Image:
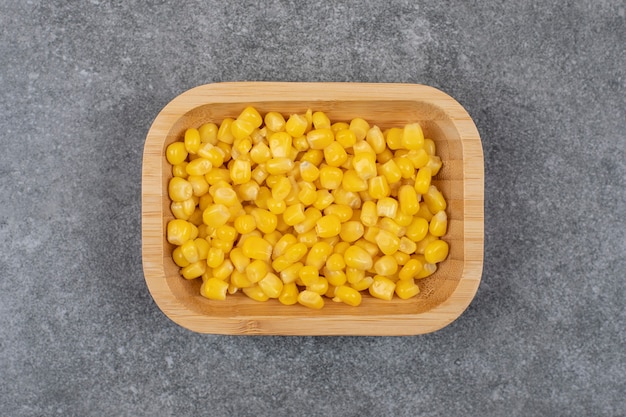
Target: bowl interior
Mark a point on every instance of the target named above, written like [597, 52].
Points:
[385, 113]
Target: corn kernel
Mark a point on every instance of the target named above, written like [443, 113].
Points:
[311, 299]
[364, 164]
[279, 166]
[226, 196]
[394, 138]
[382, 287]
[251, 115]
[241, 129]
[335, 278]
[179, 258]
[176, 153]
[335, 262]
[192, 140]
[296, 125]
[265, 221]
[180, 170]
[406, 167]
[328, 226]
[387, 242]
[390, 225]
[307, 195]
[283, 243]
[363, 284]
[330, 177]
[391, 171]
[420, 246]
[418, 229]
[401, 257]
[438, 224]
[256, 293]
[208, 133]
[256, 270]
[424, 213]
[351, 231]
[413, 136]
[260, 153]
[369, 213]
[342, 211]
[194, 270]
[436, 251]
[183, 209]
[335, 155]
[216, 215]
[379, 187]
[274, 121]
[214, 289]
[223, 270]
[281, 188]
[280, 144]
[190, 251]
[224, 134]
[239, 259]
[320, 286]
[289, 294]
[360, 128]
[291, 272]
[386, 265]
[419, 158]
[422, 180]
[178, 231]
[345, 137]
[354, 275]
[359, 258]
[312, 216]
[387, 207]
[434, 163]
[376, 139]
[410, 269]
[240, 171]
[407, 245]
[406, 289]
[295, 252]
[271, 285]
[179, 189]
[407, 197]
[318, 254]
[434, 200]
[320, 138]
[348, 295]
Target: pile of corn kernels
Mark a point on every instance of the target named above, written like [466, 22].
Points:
[302, 209]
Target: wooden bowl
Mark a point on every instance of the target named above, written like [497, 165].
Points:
[444, 295]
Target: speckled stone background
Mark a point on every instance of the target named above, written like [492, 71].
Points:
[81, 82]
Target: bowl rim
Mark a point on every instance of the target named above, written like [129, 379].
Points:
[249, 92]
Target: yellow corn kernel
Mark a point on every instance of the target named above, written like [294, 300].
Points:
[418, 229]
[281, 188]
[192, 140]
[248, 191]
[347, 198]
[335, 155]
[422, 180]
[183, 209]
[351, 231]
[190, 251]
[217, 175]
[430, 147]
[312, 216]
[214, 289]
[198, 184]
[391, 171]
[436, 251]
[407, 245]
[419, 158]
[320, 120]
[178, 231]
[179, 189]
[357, 257]
[364, 164]
[387, 207]
[251, 115]
[318, 254]
[289, 294]
[291, 272]
[294, 214]
[376, 139]
[369, 214]
[337, 126]
[335, 262]
[226, 150]
[216, 215]
[308, 274]
[313, 156]
[226, 196]
[385, 156]
[307, 195]
[280, 144]
[345, 137]
[296, 125]
[360, 128]
[224, 134]
[407, 197]
[434, 200]
[224, 245]
[386, 265]
[205, 201]
[320, 138]
[257, 248]
[328, 226]
[308, 171]
[370, 233]
[256, 270]
[196, 218]
[424, 213]
[279, 166]
[434, 163]
[410, 269]
[379, 187]
[330, 177]
[340, 247]
[406, 167]
[265, 221]
[438, 224]
[406, 289]
[354, 275]
[401, 257]
[215, 257]
[194, 270]
[335, 278]
[311, 299]
[390, 225]
[300, 144]
[274, 121]
[260, 153]
[347, 295]
[413, 136]
[342, 211]
[276, 206]
[179, 258]
[180, 170]
[394, 137]
[387, 242]
[352, 182]
[176, 153]
[295, 252]
[382, 287]
[241, 129]
[420, 246]
[256, 293]
[426, 271]
[320, 286]
[208, 133]
[240, 171]
[239, 259]
[283, 243]
[223, 270]
[271, 285]
[363, 284]
[245, 224]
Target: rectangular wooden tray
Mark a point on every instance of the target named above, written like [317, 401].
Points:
[444, 295]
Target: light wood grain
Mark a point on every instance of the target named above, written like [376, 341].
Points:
[444, 296]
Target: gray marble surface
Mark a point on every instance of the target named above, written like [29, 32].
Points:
[81, 82]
